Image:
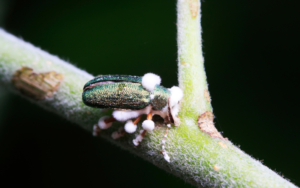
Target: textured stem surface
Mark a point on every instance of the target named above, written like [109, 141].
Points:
[194, 155]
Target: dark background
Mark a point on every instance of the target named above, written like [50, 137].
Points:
[251, 60]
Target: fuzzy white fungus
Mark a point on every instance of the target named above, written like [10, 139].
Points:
[124, 115]
[176, 95]
[102, 124]
[148, 125]
[152, 96]
[150, 80]
[130, 127]
[138, 139]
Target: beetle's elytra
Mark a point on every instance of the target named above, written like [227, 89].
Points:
[123, 92]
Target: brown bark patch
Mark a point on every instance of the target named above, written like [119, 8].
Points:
[206, 124]
[194, 7]
[36, 85]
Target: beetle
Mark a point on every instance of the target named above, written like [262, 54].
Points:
[130, 97]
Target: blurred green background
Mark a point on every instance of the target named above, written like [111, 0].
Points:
[252, 64]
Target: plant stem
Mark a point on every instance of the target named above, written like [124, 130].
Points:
[194, 155]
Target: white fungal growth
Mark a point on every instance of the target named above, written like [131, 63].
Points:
[151, 96]
[124, 115]
[176, 95]
[150, 80]
[148, 125]
[102, 124]
[175, 98]
[96, 130]
[130, 127]
[139, 138]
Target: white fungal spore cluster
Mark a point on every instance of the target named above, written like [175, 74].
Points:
[150, 80]
[124, 115]
[175, 98]
[102, 124]
[148, 125]
[130, 127]
[139, 138]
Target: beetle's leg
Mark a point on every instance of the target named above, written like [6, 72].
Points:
[130, 126]
[149, 116]
[148, 124]
[139, 138]
[105, 122]
[137, 120]
[119, 133]
[96, 130]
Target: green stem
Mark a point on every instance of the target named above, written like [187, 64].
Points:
[194, 155]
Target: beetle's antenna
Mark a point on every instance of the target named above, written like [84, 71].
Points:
[164, 152]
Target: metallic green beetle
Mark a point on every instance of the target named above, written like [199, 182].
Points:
[123, 92]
